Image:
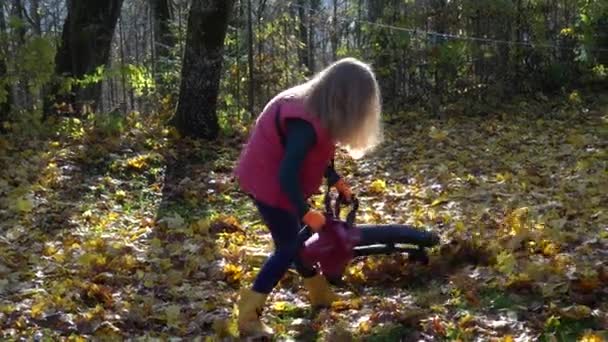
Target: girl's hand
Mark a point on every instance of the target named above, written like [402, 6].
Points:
[344, 190]
[314, 219]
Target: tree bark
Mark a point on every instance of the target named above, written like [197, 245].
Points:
[334, 32]
[196, 111]
[358, 27]
[85, 45]
[19, 93]
[164, 40]
[313, 10]
[251, 87]
[5, 105]
[123, 77]
[19, 13]
[303, 33]
[35, 17]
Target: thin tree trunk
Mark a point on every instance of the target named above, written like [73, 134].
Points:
[56, 21]
[303, 33]
[505, 52]
[314, 7]
[35, 16]
[137, 62]
[250, 56]
[358, 33]
[334, 32]
[286, 50]
[123, 85]
[238, 57]
[5, 91]
[517, 48]
[202, 67]
[20, 98]
[163, 37]
[153, 57]
[180, 29]
[19, 13]
[259, 17]
[111, 93]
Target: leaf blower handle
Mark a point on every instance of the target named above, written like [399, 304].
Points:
[344, 190]
[352, 215]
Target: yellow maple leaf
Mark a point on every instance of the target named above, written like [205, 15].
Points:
[517, 220]
[38, 309]
[120, 195]
[233, 272]
[550, 249]
[378, 186]
[437, 134]
[138, 162]
[281, 306]
[591, 337]
[508, 338]
[75, 338]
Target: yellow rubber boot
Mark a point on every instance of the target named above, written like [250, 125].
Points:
[250, 308]
[320, 293]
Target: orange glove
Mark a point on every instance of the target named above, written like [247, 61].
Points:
[314, 219]
[344, 190]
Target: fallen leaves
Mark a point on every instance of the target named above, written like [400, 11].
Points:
[378, 186]
[100, 240]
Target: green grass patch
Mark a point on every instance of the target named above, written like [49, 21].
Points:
[566, 329]
[388, 333]
[497, 299]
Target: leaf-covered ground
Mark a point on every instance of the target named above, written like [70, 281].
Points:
[111, 228]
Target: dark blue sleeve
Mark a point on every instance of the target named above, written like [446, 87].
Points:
[299, 140]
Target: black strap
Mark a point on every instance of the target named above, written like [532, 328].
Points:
[277, 122]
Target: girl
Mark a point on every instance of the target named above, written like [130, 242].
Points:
[290, 150]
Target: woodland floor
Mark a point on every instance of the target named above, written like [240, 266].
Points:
[100, 238]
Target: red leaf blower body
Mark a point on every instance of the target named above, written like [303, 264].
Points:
[330, 250]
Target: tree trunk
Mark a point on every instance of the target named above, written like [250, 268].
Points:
[5, 103]
[518, 51]
[19, 93]
[237, 57]
[303, 33]
[196, 111]
[358, 27]
[19, 13]
[334, 32]
[164, 40]
[313, 10]
[35, 17]
[251, 87]
[123, 84]
[85, 45]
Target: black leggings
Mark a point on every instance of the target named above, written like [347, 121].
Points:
[284, 228]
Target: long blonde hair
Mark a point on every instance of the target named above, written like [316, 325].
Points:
[346, 98]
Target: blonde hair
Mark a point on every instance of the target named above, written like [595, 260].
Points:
[346, 98]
